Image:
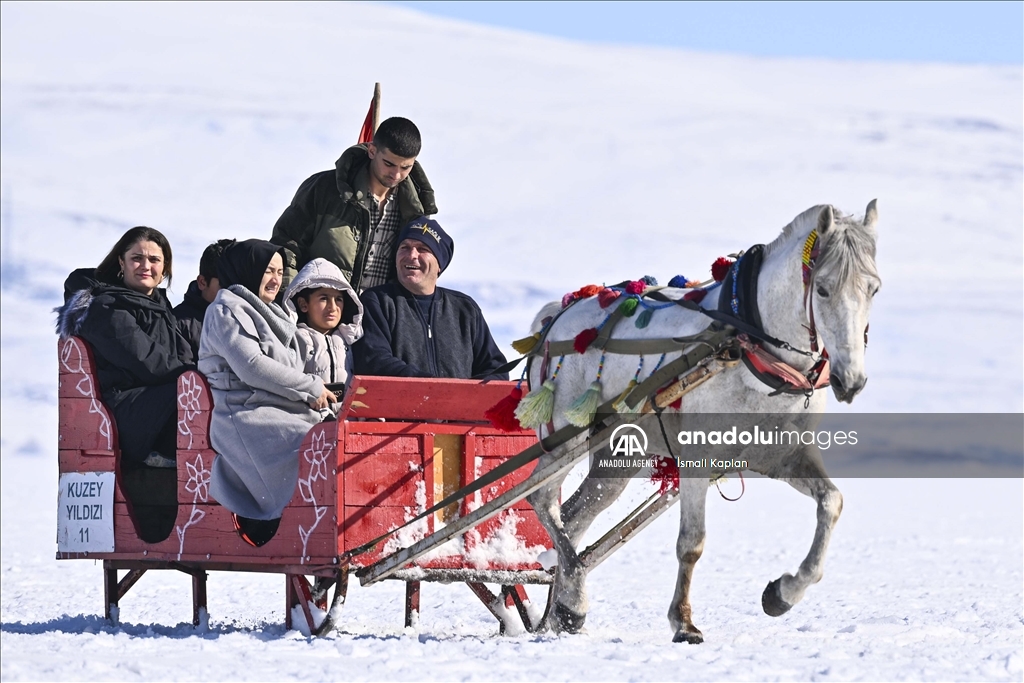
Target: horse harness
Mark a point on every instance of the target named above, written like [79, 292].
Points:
[739, 299]
[737, 309]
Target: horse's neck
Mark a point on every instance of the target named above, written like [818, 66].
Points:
[780, 297]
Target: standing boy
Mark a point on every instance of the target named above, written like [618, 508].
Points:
[351, 215]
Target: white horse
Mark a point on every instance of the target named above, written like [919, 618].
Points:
[839, 288]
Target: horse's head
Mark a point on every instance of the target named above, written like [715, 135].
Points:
[843, 283]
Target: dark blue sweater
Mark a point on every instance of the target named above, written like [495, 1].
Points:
[398, 342]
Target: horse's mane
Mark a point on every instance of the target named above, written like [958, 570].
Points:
[847, 250]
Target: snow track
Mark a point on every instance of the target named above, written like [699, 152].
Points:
[180, 117]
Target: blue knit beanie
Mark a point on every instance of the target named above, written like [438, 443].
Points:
[431, 233]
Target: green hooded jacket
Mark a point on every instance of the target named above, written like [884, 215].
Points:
[330, 215]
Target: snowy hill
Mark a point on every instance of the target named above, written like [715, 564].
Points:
[556, 164]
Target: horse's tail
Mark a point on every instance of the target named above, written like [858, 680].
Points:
[547, 312]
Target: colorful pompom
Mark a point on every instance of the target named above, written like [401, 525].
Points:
[636, 287]
[665, 475]
[644, 319]
[581, 412]
[679, 281]
[628, 307]
[568, 299]
[503, 413]
[695, 295]
[607, 296]
[584, 339]
[588, 291]
[720, 268]
[535, 408]
[649, 280]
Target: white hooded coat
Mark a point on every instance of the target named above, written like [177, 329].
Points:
[327, 355]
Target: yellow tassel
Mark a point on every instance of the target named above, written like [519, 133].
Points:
[620, 403]
[526, 344]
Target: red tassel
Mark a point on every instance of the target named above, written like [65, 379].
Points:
[676, 404]
[607, 296]
[720, 268]
[666, 475]
[584, 339]
[636, 287]
[695, 295]
[588, 290]
[503, 413]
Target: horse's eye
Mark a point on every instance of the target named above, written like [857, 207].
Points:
[874, 291]
[822, 292]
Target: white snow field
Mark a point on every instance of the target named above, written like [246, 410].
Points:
[556, 164]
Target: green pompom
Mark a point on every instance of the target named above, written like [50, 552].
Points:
[535, 409]
[582, 411]
[644, 319]
[628, 306]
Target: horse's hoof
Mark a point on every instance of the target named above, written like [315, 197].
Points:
[693, 637]
[772, 602]
[565, 620]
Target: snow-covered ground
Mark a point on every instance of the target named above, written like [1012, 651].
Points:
[556, 164]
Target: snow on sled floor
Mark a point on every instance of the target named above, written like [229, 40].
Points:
[923, 582]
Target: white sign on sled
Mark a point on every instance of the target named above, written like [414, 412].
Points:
[85, 512]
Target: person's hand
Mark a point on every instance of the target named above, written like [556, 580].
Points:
[326, 397]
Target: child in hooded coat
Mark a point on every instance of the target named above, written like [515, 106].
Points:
[330, 321]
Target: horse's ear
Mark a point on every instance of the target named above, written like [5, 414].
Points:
[871, 215]
[826, 219]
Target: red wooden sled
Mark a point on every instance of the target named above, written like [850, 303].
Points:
[399, 446]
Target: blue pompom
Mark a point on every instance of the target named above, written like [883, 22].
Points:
[649, 280]
[678, 281]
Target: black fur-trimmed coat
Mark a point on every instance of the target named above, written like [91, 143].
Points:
[139, 355]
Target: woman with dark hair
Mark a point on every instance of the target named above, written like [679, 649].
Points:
[121, 311]
[264, 404]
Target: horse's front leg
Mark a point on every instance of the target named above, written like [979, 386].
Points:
[781, 594]
[593, 497]
[567, 600]
[692, 499]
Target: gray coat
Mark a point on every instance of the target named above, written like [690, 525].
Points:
[250, 356]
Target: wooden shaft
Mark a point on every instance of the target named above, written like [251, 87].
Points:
[629, 527]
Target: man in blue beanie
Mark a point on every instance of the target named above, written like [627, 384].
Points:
[413, 328]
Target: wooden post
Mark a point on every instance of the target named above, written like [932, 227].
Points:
[290, 600]
[491, 601]
[515, 596]
[110, 595]
[198, 596]
[412, 603]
